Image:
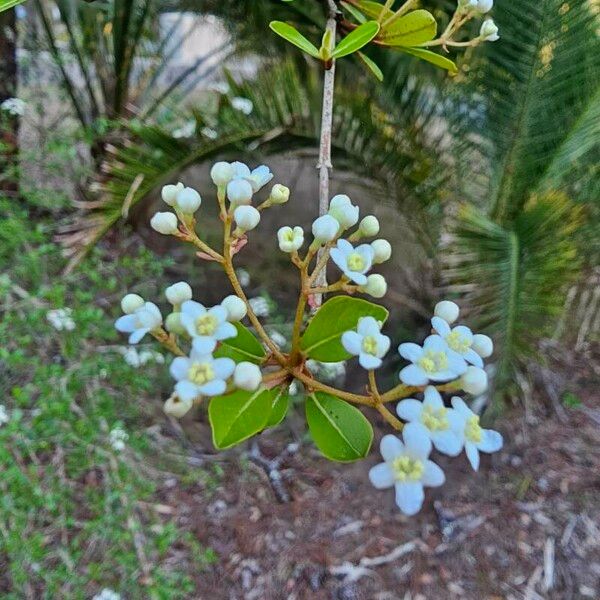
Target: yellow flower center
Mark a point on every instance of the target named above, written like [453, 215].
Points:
[201, 373]
[288, 236]
[458, 343]
[473, 431]
[435, 419]
[206, 324]
[431, 361]
[407, 469]
[355, 262]
[369, 344]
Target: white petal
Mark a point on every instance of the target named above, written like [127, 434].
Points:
[433, 398]
[442, 375]
[390, 447]
[126, 323]
[188, 323]
[225, 331]
[409, 496]
[383, 345]
[413, 375]
[352, 342]
[180, 368]
[447, 442]
[381, 476]
[193, 309]
[464, 332]
[366, 252]
[223, 368]
[456, 363]
[358, 278]
[440, 326]
[472, 357]
[338, 258]
[219, 312]
[368, 361]
[344, 246]
[203, 344]
[213, 388]
[368, 326]
[435, 343]
[461, 407]
[433, 476]
[491, 441]
[153, 310]
[137, 335]
[187, 391]
[409, 409]
[456, 420]
[417, 441]
[472, 455]
[410, 351]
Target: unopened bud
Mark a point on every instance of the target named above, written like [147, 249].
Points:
[382, 251]
[131, 302]
[164, 222]
[247, 376]
[447, 310]
[235, 307]
[169, 193]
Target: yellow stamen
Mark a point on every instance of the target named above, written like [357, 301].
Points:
[432, 362]
[206, 324]
[201, 373]
[355, 262]
[407, 469]
[435, 420]
[473, 431]
[369, 344]
[458, 343]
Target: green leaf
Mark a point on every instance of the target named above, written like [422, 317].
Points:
[354, 12]
[279, 407]
[322, 338]
[238, 416]
[244, 346]
[371, 65]
[340, 431]
[436, 59]
[293, 36]
[356, 39]
[414, 28]
[373, 10]
[6, 4]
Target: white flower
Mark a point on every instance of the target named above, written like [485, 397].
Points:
[474, 381]
[13, 106]
[447, 310]
[376, 286]
[169, 193]
[242, 104]
[247, 376]
[164, 222]
[173, 323]
[4, 418]
[188, 200]
[61, 319]
[343, 211]
[117, 438]
[200, 375]
[476, 438]
[483, 345]
[367, 342]
[279, 194]
[484, 6]
[382, 251]
[440, 424]
[278, 339]
[407, 468]
[259, 306]
[259, 177]
[290, 239]
[459, 339]
[222, 173]
[433, 361]
[142, 320]
[107, 594]
[236, 308]
[175, 407]
[188, 129]
[178, 293]
[246, 217]
[325, 229]
[210, 133]
[353, 262]
[369, 226]
[328, 372]
[206, 326]
[137, 359]
[489, 31]
[243, 277]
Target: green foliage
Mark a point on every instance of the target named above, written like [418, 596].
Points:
[6, 4]
[340, 430]
[410, 30]
[293, 36]
[243, 347]
[356, 39]
[279, 407]
[322, 338]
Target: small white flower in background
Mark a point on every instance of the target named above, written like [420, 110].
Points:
[178, 293]
[376, 286]
[369, 226]
[206, 326]
[164, 222]
[447, 310]
[242, 104]
[221, 87]
[325, 229]
[243, 277]
[367, 342]
[200, 375]
[433, 361]
[236, 308]
[174, 406]
[118, 438]
[4, 417]
[260, 307]
[407, 468]
[13, 106]
[247, 376]
[280, 194]
[474, 381]
[188, 200]
[353, 262]
[147, 356]
[440, 424]
[484, 6]
[328, 372]
[476, 438]
[137, 359]
[259, 177]
[142, 320]
[169, 192]
[489, 31]
[382, 251]
[107, 594]
[459, 339]
[188, 129]
[290, 239]
[210, 133]
[246, 217]
[294, 388]
[222, 173]
[278, 339]
[343, 211]
[61, 319]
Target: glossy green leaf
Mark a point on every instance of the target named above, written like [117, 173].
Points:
[340, 431]
[356, 39]
[279, 406]
[322, 338]
[373, 10]
[354, 12]
[410, 30]
[6, 4]
[293, 36]
[435, 59]
[371, 65]
[244, 346]
[236, 417]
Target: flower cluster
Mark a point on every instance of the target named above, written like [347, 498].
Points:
[13, 106]
[473, 8]
[61, 319]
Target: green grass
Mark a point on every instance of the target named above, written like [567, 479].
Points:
[77, 516]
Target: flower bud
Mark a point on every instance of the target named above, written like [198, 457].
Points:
[176, 407]
[484, 6]
[447, 310]
[474, 381]
[325, 229]
[369, 226]
[483, 345]
[221, 173]
[178, 293]
[173, 324]
[164, 222]
[188, 200]
[260, 177]
[235, 307]
[246, 217]
[131, 302]
[169, 193]
[376, 286]
[279, 194]
[290, 239]
[341, 209]
[382, 251]
[489, 31]
[247, 376]
[467, 4]
[239, 191]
